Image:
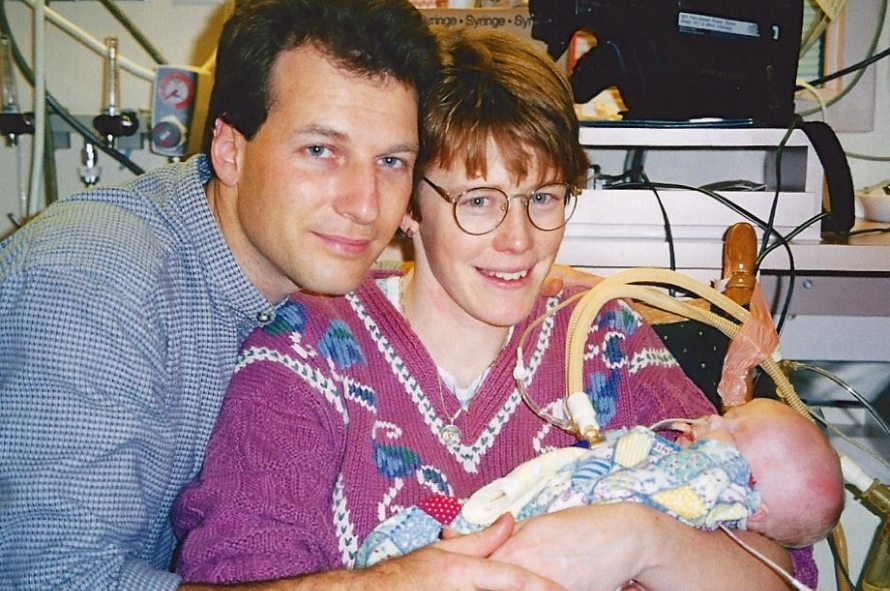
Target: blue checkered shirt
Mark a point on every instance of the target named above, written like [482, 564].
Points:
[121, 313]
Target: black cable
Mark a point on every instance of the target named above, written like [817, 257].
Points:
[849, 69]
[668, 232]
[53, 104]
[140, 38]
[781, 240]
[780, 151]
[791, 235]
[633, 165]
[869, 231]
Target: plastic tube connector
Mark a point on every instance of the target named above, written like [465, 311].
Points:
[583, 416]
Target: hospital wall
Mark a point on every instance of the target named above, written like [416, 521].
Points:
[185, 31]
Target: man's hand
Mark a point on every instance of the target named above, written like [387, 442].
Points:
[458, 564]
[462, 563]
[562, 276]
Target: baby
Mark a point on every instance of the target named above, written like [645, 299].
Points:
[761, 466]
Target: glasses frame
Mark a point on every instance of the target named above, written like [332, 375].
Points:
[571, 203]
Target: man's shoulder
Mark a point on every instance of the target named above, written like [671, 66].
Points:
[105, 230]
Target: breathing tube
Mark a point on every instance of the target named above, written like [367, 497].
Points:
[756, 337]
[752, 331]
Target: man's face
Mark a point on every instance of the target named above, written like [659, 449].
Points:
[323, 184]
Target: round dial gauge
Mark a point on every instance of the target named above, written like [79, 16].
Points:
[176, 89]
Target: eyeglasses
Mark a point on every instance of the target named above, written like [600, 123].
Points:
[481, 210]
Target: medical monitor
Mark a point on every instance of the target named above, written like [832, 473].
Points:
[682, 59]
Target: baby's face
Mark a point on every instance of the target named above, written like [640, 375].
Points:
[709, 427]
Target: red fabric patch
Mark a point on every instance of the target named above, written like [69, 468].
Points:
[441, 508]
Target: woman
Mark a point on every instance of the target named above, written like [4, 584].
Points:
[344, 410]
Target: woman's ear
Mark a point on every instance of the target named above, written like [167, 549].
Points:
[224, 146]
[409, 225]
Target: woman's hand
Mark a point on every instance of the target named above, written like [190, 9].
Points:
[602, 547]
[562, 276]
[595, 548]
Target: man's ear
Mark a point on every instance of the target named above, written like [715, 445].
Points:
[224, 146]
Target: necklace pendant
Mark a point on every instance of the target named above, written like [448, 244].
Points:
[451, 435]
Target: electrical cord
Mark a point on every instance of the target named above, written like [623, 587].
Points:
[793, 234]
[668, 232]
[882, 14]
[867, 157]
[869, 231]
[850, 69]
[817, 27]
[780, 239]
[780, 151]
[137, 34]
[57, 108]
[823, 109]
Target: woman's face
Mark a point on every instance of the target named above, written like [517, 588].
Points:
[495, 277]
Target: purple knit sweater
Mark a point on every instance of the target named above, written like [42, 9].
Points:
[332, 423]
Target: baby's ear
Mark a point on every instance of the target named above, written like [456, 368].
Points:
[757, 521]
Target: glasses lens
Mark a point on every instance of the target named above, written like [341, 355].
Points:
[551, 206]
[479, 211]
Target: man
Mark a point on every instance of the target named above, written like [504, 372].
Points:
[122, 308]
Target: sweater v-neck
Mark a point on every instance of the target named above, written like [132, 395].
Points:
[497, 388]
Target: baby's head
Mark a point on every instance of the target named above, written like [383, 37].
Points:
[795, 466]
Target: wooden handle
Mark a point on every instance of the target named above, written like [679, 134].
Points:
[739, 260]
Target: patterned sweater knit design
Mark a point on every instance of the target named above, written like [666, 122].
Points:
[332, 424]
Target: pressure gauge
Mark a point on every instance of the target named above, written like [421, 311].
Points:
[175, 95]
[176, 89]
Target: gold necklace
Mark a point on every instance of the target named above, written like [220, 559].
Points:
[449, 434]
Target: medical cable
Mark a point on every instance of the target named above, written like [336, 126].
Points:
[820, 100]
[882, 13]
[780, 151]
[621, 285]
[852, 68]
[766, 560]
[829, 426]
[780, 239]
[869, 157]
[792, 365]
[883, 230]
[668, 233]
[791, 235]
[837, 543]
[136, 33]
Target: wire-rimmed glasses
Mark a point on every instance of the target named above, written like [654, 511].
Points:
[481, 210]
